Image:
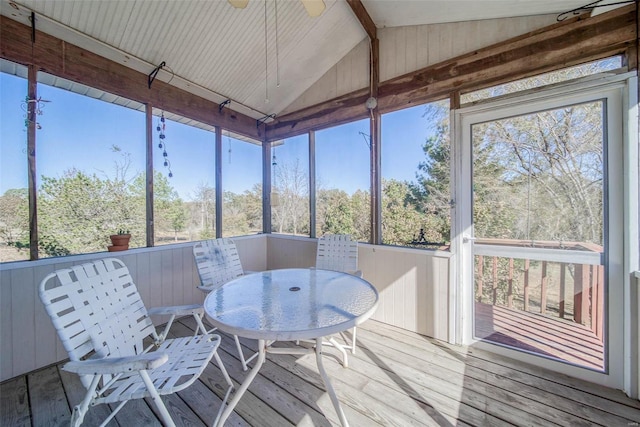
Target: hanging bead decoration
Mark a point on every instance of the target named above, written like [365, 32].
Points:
[32, 105]
[163, 144]
[274, 163]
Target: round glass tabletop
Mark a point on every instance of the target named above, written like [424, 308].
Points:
[291, 304]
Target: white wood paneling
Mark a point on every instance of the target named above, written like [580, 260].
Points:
[349, 74]
[252, 251]
[164, 276]
[209, 47]
[413, 284]
[6, 326]
[410, 48]
[23, 297]
[290, 252]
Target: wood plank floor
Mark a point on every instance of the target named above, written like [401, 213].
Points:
[396, 378]
[556, 338]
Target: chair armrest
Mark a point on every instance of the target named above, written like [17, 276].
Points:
[117, 365]
[178, 310]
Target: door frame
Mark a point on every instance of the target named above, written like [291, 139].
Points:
[619, 139]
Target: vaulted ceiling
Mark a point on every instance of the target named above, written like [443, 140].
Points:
[247, 55]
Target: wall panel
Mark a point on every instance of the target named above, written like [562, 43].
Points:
[413, 284]
[164, 275]
[6, 326]
[413, 288]
[410, 48]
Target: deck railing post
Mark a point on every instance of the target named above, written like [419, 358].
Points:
[480, 277]
[495, 280]
[543, 289]
[510, 287]
[599, 318]
[526, 284]
[561, 296]
[580, 298]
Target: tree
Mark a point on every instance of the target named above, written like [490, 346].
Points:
[400, 219]
[77, 213]
[14, 217]
[169, 215]
[431, 193]
[334, 212]
[290, 199]
[242, 213]
[203, 211]
[361, 214]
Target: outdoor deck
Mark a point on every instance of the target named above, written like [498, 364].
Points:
[557, 338]
[396, 378]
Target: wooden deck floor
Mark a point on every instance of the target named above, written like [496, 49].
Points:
[397, 378]
[552, 337]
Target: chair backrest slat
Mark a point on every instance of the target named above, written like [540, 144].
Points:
[96, 307]
[337, 252]
[218, 262]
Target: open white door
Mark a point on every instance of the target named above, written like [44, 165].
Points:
[539, 227]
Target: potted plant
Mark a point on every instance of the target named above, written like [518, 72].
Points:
[120, 241]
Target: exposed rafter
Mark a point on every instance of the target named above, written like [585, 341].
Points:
[364, 18]
[571, 42]
[79, 65]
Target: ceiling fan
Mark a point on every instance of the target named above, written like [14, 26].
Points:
[314, 7]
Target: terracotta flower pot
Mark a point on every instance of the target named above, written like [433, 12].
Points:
[120, 242]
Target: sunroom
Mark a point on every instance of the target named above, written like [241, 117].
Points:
[483, 154]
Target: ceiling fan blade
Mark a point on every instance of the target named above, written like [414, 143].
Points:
[314, 7]
[238, 4]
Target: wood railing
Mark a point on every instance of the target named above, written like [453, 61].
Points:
[539, 281]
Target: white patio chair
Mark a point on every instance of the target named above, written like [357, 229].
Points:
[218, 263]
[103, 324]
[338, 252]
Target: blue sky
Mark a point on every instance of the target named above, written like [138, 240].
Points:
[80, 132]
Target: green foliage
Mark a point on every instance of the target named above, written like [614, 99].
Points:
[77, 212]
[14, 218]
[537, 177]
[202, 213]
[169, 211]
[335, 215]
[242, 213]
[400, 219]
[290, 199]
[430, 193]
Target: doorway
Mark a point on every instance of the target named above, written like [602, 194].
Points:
[539, 230]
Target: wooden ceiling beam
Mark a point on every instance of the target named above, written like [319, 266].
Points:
[363, 16]
[62, 59]
[557, 46]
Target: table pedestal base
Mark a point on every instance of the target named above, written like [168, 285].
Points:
[262, 350]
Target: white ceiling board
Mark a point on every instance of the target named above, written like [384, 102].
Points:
[216, 51]
[398, 13]
[211, 47]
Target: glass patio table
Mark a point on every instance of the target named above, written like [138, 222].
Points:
[290, 305]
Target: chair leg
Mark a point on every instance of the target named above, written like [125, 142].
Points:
[240, 353]
[200, 327]
[223, 405]
[80, 410]
[353, 341]
[157, 400]
[341, 348]
[165, 331]
[225, 374]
